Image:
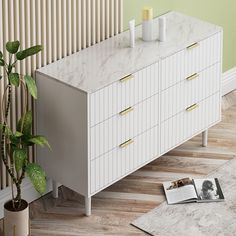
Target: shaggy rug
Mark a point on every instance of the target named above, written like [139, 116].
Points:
[200, 219]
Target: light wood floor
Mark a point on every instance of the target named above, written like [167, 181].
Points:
[114, 208]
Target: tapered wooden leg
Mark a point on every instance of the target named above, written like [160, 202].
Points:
[88, 206]
[204, 138]
[55, 186]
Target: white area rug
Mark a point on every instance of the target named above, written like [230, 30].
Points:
[197, 219]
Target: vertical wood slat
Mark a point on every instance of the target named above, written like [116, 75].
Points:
[120, 16]
[74, 26]
[28, 60]
[49, 31]
[33, 32]
[79, 26]
[98, 21]
[63, 27]
[33, 60]
[103, 25]
[17, 35]
[44, 31]
[38, 31]
[107, 18]
[11, 37]
[83, 23]
[69, 27]
[112, 18]
[88, 23]
[59, 29]
[93, 21]
[5, 37]
[2, 169]
[27, 33]
[116, 26]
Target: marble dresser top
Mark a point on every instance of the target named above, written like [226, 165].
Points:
[106, 62]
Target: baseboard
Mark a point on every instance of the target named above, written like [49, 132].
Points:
[229, 81]
[28, 193]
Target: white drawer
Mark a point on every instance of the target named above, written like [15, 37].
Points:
[191, 90]
[116, 97]
[189, 61]
[189, 123]
[114, 165]
[123, 126]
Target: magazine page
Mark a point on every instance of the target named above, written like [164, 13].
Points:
[208, 190]
[180, 191]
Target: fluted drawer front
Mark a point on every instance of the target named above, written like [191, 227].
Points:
[124, 125]
[124, 93]
[190, 60]
[191, 90]
[114, 165]
[190, 122]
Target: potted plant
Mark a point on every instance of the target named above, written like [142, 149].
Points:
[15, 143]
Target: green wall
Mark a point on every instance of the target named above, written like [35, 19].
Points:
[219, 12]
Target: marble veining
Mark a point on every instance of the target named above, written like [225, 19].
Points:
[106, 62]
[197, 219]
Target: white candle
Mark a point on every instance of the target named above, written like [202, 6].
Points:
[147, 25]
[132, 33]
[162, 29]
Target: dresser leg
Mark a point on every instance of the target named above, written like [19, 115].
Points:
[204, 138]
[55, 186]
[87, 206]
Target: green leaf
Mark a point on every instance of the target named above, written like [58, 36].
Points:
[1, 54]
[12, 47]
[18, 134]
[2, 62]
[19, 156]
[15, 141]
[7, 132]
[14, 79]
[31, 86]
[37, 177]
[21, 55]
[40, 140]
[26, 126]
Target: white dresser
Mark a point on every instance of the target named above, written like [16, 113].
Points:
[109, 109]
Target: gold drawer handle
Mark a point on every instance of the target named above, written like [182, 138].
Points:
[126, 111]
[194, 45]
[194, 76]
[126, 78]
[194, 106]
[126, 143]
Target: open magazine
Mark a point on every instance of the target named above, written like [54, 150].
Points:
[193, 190]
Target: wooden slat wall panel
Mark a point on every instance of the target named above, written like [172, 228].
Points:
[62, 27]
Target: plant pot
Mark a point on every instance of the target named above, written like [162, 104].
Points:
[16, 222]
